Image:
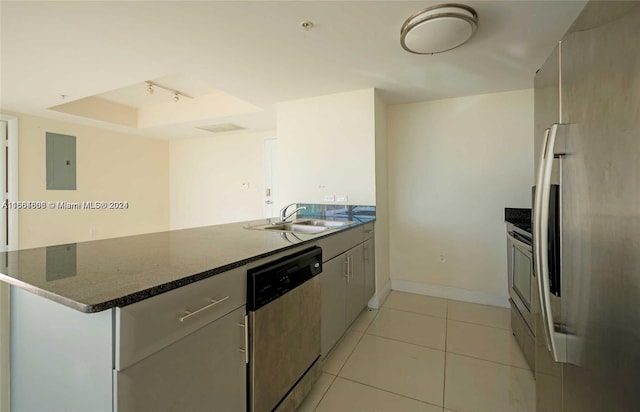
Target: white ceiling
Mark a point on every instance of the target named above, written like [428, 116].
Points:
[257, 51]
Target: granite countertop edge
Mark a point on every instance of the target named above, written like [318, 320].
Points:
[166, 287]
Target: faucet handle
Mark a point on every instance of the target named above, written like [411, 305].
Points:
[284, 209]
[283, 212]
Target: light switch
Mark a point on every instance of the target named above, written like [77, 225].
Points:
[329, 198]
[342, 198]
[245, 185]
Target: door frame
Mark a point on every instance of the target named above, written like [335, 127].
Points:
[12, 144]
[5, 305]
[270, 176]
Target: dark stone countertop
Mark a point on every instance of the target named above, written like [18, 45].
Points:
[519, 217]
[97, 275]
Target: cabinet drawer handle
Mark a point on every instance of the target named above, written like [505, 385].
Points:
[346, 267]
[195, 312]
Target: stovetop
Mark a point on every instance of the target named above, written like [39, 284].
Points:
[519, 217]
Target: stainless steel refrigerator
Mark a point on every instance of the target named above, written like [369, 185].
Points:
[587, 215]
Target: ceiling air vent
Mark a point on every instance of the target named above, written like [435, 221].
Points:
[221, 128]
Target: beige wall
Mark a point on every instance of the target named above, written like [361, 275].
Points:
[454, 165]
[326, 146]
[110, 166]
[206, 176]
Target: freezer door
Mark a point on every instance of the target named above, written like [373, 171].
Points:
[601, 209]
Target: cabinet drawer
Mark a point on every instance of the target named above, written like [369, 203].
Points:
[524, 337]
[145, 327]
[204, 371]
[334, 245]
[367, 230]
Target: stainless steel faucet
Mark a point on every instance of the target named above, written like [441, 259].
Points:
[283, 212]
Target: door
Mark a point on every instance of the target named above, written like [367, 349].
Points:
[204, 371]
[8, 238]
[601, 209]
[355, 283]
[270, 183]
[334, 300]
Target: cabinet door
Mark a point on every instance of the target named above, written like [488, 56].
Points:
[355, 284]
[204, 371]
[334, 300]
[369, 270]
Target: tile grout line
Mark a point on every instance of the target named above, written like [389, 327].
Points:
[410, 343]
[479, 324]
[402, 341]
[388, 391]
[357, 343]
[325, 392]
[416, 313]
[490, 361]
[345, 362]
[447, 302]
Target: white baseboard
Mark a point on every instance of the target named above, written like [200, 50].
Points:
[448, 292]
[378, 299]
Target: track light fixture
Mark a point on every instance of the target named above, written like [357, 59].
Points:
[176, 93]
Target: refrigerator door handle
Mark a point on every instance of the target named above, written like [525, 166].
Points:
[543, 243]
[537, 233]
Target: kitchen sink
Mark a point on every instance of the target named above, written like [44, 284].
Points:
[294, 227]
[304, 226]
[324, 223]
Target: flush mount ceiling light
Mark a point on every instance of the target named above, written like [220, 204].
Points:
[438, 28]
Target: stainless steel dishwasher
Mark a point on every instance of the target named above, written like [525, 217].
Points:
[284, 330]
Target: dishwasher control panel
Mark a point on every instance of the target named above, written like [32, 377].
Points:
[270, 281]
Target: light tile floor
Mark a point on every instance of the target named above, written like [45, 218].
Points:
[419, 353]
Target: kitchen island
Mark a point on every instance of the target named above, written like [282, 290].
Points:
[92, 320]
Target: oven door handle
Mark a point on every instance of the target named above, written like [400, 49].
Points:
[519, 244]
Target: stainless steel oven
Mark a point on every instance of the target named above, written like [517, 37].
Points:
[521, 274]
[522, 288]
